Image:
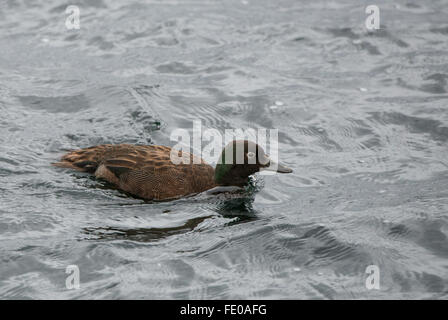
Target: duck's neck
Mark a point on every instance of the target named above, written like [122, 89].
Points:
[221, 172]
[226, 175]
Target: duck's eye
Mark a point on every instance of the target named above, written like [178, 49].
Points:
[250, 155]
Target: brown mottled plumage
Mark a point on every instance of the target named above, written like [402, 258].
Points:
[144, 171]
[148, 172]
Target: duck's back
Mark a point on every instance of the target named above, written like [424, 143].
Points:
[144, 171]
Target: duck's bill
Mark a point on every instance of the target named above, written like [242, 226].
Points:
[277, 167]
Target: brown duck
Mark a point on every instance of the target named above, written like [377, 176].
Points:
[148, 172]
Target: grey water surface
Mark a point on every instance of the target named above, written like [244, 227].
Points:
[362, 119]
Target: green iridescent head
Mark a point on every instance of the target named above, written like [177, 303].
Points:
[241, 159]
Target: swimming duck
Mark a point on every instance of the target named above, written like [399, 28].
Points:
[148, 172]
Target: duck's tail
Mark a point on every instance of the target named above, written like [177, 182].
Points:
[85, 160]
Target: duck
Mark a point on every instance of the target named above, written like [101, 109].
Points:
[147, 171]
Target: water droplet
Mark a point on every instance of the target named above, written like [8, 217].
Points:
[279, 103]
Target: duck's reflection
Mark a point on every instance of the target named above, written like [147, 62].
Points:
[142, 234]
[237, 208]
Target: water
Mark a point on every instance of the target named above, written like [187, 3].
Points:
[362, 120]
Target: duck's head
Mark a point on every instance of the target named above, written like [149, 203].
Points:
[240, 159]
